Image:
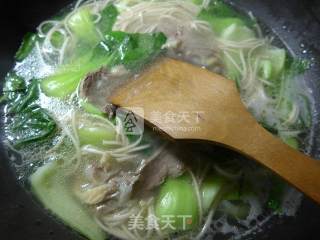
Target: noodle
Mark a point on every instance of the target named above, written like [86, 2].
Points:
[117, 163]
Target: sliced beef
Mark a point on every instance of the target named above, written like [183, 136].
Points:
[167, 164]
[97, 86]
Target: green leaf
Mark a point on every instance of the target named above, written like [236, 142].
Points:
[222, 15]
[27, 121]
[134, 50]
[22, 101]
[13, 83]
[131, 50]
[299, 66]
[27, 45]
[108, 17]
[219, 9]
[13, 88]
[30, 125]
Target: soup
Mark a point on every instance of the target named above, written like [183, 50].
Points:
[77, 152]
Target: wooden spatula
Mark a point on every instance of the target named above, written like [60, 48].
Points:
[188, 102]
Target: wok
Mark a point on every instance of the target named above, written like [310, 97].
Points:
[295, 22]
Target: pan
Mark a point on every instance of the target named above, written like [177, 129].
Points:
[295, 23]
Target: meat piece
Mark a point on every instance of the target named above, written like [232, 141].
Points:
[96, 86]
[167, 164]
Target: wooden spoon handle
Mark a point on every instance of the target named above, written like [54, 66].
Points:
[296, 168]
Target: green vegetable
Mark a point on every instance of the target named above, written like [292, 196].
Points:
[219, 24]
[197, 2]
[61, 84]
[132, 50]
[288, 97]
[237, 33]
[221, 16]
[272, 62]
[229, 25]
[30, 125]
[49, 185]
[28, 122]
[177, 199]
[219, 9]
[66, 80]
[27, 45]
[90, 108]
[108, 18]
[292, 142]
[212, 188]
[82, 25]
[94, 135]
[14, 87]
[25, 99]
[265, 69]
[298, 66]
[13, 83]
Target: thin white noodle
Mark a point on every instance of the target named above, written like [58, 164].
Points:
[206, 225]
[197, 191]
[227, 174]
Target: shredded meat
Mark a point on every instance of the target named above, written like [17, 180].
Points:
[97, 194]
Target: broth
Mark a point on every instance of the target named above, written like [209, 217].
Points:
[70, 139]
